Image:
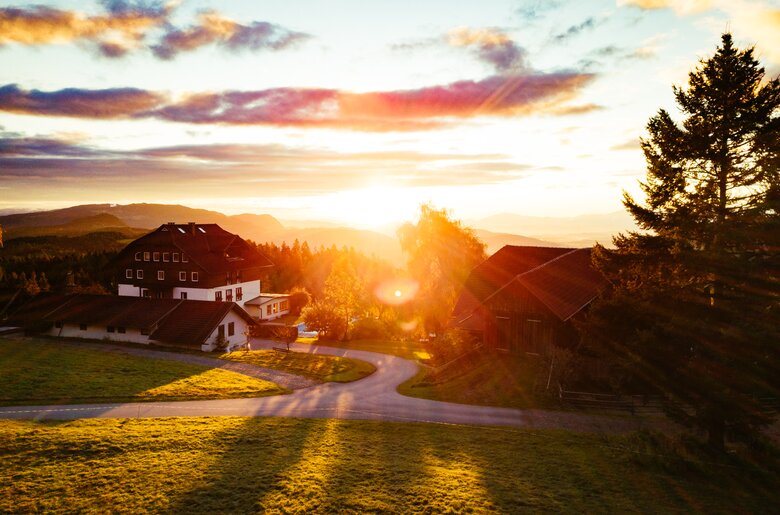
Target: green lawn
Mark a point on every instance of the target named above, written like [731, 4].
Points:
[404, 349]
[45, 372]
[487, 379]
[248, 465]
[314, 366]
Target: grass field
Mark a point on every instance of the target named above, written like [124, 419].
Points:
[43, 372]
[247, 465]
[403, 349]
[486, 379]
[314, 366]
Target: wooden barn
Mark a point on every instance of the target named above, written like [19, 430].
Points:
[523, 299]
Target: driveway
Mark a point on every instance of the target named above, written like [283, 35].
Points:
[372, 398]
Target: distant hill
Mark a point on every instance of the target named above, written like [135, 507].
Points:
[575, 231]
[103, 222]
[495, 240]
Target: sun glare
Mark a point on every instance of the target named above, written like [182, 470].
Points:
[370, 208]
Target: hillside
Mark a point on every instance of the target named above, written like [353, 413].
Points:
[496, 240]
[102, 222]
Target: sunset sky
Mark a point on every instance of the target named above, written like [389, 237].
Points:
[348, 111]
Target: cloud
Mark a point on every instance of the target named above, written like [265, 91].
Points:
[126, 25]
[631, 144]
[38, 25]
[491, 46]
[235, 169]
[214, 28]
[78, 103]
[754, 20]
[576, 30]
[417, 109]
[535, 9]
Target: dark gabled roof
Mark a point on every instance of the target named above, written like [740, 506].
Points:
[210, 246]
[182, 322]
[560, 278]
[195, 321]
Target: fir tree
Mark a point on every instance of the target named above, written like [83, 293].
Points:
[696, 301]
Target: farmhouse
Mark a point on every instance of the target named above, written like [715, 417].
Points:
[523, 299]
[185, 323]
[268, 306]
[193, 262]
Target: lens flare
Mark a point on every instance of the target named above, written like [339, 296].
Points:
[396, 292]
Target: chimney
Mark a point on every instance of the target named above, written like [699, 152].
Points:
[192, 227]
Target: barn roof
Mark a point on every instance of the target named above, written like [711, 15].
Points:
[181, 322]
[560, 278]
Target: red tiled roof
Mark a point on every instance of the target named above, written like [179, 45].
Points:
[560, 278]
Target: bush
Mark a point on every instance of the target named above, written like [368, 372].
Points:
[370, 328]
[450, 345]
[321, 317]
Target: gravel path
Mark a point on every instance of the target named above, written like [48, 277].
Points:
[371, 398]
[284, 379]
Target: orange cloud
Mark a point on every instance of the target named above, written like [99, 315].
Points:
[491, 46]
[403, 110]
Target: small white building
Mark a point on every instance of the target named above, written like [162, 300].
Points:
[183, 323]
[268, 306]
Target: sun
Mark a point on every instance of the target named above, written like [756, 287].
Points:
[371, 207]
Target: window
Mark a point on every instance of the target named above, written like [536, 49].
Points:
[184, 258]
[160, 275]
[183, 295]
[138, 256]
[120, 330]
[182, 276]
[231, 329]
[139, 274]
[239, 293]
[268, 309]
[194, 277]
[229, 295]
[175, 257]
[166, 256]
[227, 279]
[129, 273]
[83, 327]
[276, 307]
[285, 305]
[110, 329]
[58, 324]
[238, 276]
[156, 256]
[221, 332]
[218, 296]
[146, 293]
[146, 256]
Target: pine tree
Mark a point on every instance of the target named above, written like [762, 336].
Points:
[696, 302]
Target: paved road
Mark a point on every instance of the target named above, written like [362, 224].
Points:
[372, 398]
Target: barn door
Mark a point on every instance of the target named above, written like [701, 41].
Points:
[503, 333]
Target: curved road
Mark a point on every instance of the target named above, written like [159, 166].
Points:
[372, 398]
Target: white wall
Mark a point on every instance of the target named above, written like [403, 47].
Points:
[251, 289]
[238, 339]
[128, 290]
[99, 333]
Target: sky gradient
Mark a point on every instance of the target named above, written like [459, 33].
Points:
[348, 111]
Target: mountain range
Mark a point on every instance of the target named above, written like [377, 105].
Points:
[132, 220]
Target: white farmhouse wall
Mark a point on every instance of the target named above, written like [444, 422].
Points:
[262, 312]
[128, 290]
[99, 333]
[239, 338]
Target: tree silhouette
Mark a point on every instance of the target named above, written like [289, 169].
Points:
[696, 301]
